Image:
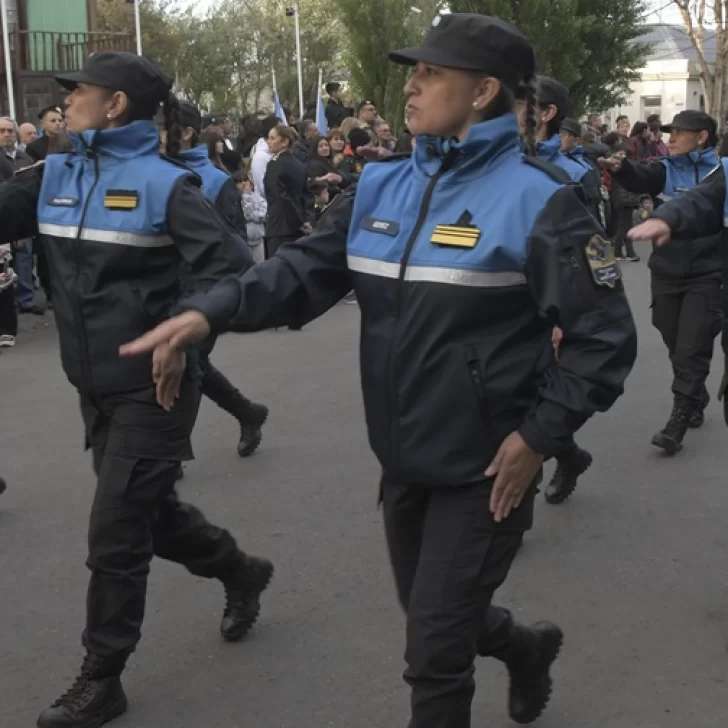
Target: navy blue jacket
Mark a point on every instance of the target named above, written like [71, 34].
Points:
[695, 255]
[116, 220]
[463, 258]
[702, 212]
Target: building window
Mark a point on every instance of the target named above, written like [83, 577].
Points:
[651, 105]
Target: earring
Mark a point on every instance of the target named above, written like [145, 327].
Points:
[475, 104]
[110, 117]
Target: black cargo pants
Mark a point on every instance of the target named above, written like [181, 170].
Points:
[217, 387]
[687, 313]
[448, 558]
[136, 513]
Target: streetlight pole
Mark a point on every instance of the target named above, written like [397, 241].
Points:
[8, 61]
[138, 25]
[297, 12]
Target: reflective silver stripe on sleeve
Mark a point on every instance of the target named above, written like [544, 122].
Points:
[431, 274]
[114, 237]
[664, 197]
[725, 222]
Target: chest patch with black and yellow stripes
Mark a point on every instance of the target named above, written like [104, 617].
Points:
[457, 236]
[121, 199]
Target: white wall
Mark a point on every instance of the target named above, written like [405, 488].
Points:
[668, 79]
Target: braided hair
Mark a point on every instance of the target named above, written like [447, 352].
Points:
[527, 91]
[170, 110]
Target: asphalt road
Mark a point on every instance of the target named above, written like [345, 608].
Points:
[634, 566]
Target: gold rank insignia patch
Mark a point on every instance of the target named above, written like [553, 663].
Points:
[121, 199]
[457, 236]
[602, 263]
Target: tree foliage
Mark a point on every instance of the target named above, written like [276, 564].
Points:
[592, 46]
[709, 22]
[373, 29]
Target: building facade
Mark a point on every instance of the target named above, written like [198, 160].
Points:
[669, 82]
[48, 37]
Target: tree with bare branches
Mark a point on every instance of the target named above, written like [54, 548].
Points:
[707, 20]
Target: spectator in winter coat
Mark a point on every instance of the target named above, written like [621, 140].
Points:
[640, 139]
[261, 156]
[336, 112]
[353, 163]
[286, 191]
[337, 142]
[254, 212]
[624, 204]
[301, 148]
[320, 168]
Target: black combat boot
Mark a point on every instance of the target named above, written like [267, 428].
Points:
[95, 698]
[251, 428]
[671, 437]
[529, 659]
[570, 465]
[697, 418]
[242, 596]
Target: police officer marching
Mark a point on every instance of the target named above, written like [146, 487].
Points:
[219, 187]
[463, 258]
[552, 100]
[118, 221]
[686, 278]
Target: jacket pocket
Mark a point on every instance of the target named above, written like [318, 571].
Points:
[475, 371]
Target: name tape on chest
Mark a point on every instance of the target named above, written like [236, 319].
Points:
[64, 202]
[456, 236]
[386, 227]
[121, 199]
[602, 262]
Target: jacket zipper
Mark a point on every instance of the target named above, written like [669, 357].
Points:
[78, 254]
[392, 383]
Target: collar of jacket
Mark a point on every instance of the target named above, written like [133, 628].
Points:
[706, 157]
[550, 149]
[196, 157]
[484, 144]
[138, 139]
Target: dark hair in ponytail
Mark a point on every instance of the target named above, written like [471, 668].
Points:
[527, 91]
[170, 109]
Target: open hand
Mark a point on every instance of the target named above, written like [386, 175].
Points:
[515, 466]
[168, 367]
[655, 230]
[178, 332]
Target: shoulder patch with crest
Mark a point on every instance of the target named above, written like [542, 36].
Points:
[602, 262]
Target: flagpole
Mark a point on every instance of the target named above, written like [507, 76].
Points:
[275, 87]
[138, 24]
[298, 60]
[319, 103]
[8, 61]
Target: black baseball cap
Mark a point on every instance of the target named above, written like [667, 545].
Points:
[549, 92]
[690, 120]
[474, 42]
[189, 115]
[572, 126]
[140, 78]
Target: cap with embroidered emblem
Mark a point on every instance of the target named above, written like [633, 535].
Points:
[572, 126]
[140, 78]
[474, 42]
[551, 92]
[691, 120]
[189, 115]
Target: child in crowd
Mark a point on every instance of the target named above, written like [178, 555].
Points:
[8, 313]
[254, 211]
[644, 211]
[321, 201]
